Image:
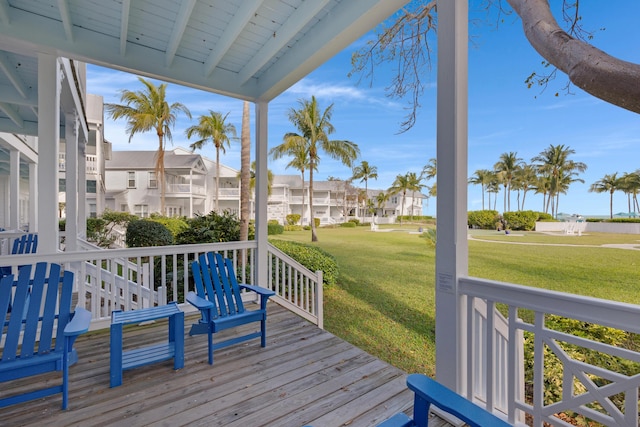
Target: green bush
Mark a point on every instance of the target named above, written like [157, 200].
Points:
[595, 220]
[316, 221]
[274, 228]
[211, 228]
[521, 220]
[62, 224]
[486, 219]
[293, 228]
[543, 216]
[624, 220]
[349, 224]
[293, 219]
[431, 237]
[312, 258]
[174, 224]
[143, 232]
[355, 221]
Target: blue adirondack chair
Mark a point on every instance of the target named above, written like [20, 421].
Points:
[428, 392]
[219, 300]
[25, 244]
[36, 304]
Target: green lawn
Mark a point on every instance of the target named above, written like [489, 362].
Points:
[384, 301]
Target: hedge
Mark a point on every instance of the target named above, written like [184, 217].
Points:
[311, 257]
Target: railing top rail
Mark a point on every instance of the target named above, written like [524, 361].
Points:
[61, 257]
[292, 262]
[593, 310]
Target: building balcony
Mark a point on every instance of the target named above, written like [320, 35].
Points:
[185, 190]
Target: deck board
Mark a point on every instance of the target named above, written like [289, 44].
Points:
[304, 376]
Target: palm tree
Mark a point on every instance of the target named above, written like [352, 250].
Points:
[315, 127]
[365, 172]
[526, 178]
[245, 173]
[215, 128]
[430, 170]
[415, 184]
[299, 161]
[482, 177]
[554, 162]
[401, 184]
[607, 184]
[632, 185]
[381, 200]
[148, 110]
[507, 166]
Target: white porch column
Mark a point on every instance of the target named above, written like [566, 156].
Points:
[261, 190]
[72, 181]
[191, 193]
[452, 246]
[49, 75]
[33, 196]
[14, 189]
[82, 190]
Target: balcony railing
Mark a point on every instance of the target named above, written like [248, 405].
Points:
[186, 189]
[128, 279]
[562, 380]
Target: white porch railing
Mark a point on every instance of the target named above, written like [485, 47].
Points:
[128, 279]
[607, 394]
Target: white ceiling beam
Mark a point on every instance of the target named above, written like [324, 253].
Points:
[9, 94]
[65, 15]
[124, 26]
[294, 24]
[12, 113]
[186, 8]
[4, 12]
[13, 76]
[234, 28]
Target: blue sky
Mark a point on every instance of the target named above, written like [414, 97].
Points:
[504, 115]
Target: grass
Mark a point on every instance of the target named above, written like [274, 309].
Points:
[384, 302]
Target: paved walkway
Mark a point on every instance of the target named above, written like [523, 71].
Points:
[629, 246]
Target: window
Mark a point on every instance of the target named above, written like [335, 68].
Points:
[394, 200]
[131, 180]
[141, 210]
[153, 181]
[92, 210]
[91, 186]
[174, 211]
[124, 207]
[62, 185]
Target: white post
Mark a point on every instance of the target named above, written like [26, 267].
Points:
[33, 197]
[14, 189]
[49, 83]
[82, 190]
[191, 193]
[452, 247]
[261, 192]
[72, 181]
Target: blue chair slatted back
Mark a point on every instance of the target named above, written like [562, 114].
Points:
[215, 281]
[26, 244]
[36, 305]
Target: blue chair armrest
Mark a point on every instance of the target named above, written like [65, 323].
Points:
[79, 324]
[199, 303]
[446, 399]
[257, 289]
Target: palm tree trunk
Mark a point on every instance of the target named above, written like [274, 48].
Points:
[314, 236]
[481, 186]
[611, 205]
[160, 166]
[302, 211]
[245, 173]
[217, 179]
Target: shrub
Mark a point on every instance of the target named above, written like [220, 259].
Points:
[62, 224]
[274, 228]
[624, 220]
[521, 220]
[543, 216]
[355, 221]
[293, 219]
[430, 236]
[486, 219]
[316, 221]
[173, 224]
[210, 228]
[293, 228]
[349, 224]
[312, 258]
[143, 232]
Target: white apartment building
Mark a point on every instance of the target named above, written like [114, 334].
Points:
[132, 186]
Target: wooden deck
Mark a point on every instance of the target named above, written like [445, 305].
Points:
[304, 376]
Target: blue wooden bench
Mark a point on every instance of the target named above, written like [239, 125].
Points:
[35, 306]
[218, 297]
[428, 392]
